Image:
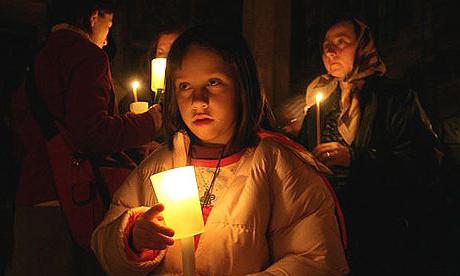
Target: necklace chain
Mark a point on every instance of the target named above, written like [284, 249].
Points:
[208, 197]
[207, 193]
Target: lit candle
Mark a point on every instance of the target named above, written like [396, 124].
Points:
[158, 73]
[158, 77]
[319, 97]
[177, 190]
[135, 85]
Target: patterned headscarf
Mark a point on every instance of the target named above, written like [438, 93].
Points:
[367, 62]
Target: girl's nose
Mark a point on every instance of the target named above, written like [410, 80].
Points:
[200, 98]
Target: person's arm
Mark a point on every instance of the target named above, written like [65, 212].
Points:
[88, 120]
[303, 233]
[112, 240]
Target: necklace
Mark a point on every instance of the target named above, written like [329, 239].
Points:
[207, 194]
[208, 197]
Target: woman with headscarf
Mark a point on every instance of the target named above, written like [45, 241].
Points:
[376, 138]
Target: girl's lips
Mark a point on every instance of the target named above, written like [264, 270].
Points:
[203, 121]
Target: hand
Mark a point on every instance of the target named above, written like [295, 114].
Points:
[149, 231]
[155, 113]
[333, 154]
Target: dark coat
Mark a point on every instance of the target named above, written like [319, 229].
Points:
[390, 189]
[73, 79]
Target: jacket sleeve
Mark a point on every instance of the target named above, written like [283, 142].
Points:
[410, 148]
[87, 111]
[303, 233]
[108, 241]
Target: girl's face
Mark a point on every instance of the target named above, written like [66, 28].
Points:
[206, 95]
[339, 48]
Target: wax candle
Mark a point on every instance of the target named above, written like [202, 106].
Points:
[177, 190]
[319, 97]
[158, 74]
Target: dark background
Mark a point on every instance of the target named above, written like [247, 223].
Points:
[418, 40]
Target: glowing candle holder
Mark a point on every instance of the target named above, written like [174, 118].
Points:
[158, 77]
[138, 107]
[177, 190]
[319, 97]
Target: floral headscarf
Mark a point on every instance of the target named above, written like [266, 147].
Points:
[367, 62]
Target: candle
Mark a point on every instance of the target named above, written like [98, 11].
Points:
[138, 107]
[135, 85]
[177, 190]
[319, 97]
[158, 74]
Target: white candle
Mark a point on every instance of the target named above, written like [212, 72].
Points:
[319, 97]
[177, 190]
[188, 256]
[158, 74]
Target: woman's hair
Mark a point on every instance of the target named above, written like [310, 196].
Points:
[254, 111]
[78, 13]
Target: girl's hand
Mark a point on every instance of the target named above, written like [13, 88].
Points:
[333, 154]
[149, 231]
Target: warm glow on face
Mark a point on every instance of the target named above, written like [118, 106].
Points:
[177, 190]
[207, 95]
[158, 73]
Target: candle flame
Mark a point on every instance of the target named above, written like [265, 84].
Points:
[319, 97]
[135, 85]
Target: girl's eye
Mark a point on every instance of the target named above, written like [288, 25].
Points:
[183, 86]
[214, 82]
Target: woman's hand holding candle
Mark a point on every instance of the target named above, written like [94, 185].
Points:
[155, 113]
[333, 154]
[150, 232]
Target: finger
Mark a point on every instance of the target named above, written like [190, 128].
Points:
[166, 240]
[163, 229]
[320, 151]
[157, 241]
[153, 241]
[157, 107]
[153, 211]
[326, 147]
[324, 156]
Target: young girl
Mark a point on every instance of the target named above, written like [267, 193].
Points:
[265, 205]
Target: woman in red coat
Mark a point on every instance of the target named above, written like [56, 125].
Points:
[73, 80]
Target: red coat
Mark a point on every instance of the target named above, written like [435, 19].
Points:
[73, 78]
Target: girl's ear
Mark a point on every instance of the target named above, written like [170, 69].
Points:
[93, 18]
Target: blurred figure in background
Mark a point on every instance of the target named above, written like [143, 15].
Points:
[290, 115]
[70, 88]
[379, 143]
[159, 48]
